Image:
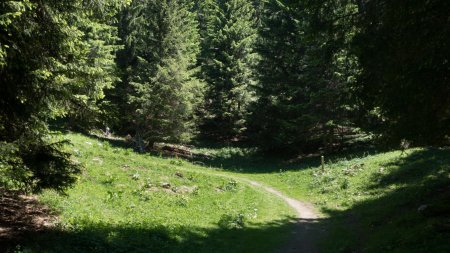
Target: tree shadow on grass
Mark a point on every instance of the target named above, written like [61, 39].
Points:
[256, 163]
[409, 210]
[238, 159]
[20, 213]
[416, 167]
[251, 161]
[247, 159]
[107, 238]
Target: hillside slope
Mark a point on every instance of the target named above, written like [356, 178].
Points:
[129, 202]
[370, 201]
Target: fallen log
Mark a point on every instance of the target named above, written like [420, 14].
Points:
[178, 151]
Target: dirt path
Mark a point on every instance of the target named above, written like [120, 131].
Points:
[307, 230]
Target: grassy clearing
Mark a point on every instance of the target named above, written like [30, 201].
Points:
[378, 202]
[127, 202]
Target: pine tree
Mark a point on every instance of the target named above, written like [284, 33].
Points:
[228, 35]
[302, 73]
[404, 89]
[95, 62]
[43, 61]
[163, 44]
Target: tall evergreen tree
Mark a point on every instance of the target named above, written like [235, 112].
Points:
[303, 74]
[228, 35]
[162, 44]
[95, 63]
[404, 88]
[43, 52]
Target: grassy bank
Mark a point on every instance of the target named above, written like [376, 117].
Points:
[371, 202]
[129, 202]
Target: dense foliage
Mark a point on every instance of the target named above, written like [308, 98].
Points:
[403, 49]
[50, 66]
[228, 31]
[304, 73]
[94, 65]
[162, 91]
[292, 75]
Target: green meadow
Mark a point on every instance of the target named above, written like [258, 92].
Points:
[123, 201]
[129, 202]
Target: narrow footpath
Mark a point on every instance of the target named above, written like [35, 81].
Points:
[307, 231]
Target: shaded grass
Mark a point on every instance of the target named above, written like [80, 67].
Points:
[372, 200]
[106, 238]
[395, 204]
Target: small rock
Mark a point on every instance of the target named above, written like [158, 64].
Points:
[186, 189]
[169, 191]
[47, 224]
[179, 174]
[135, 176]
[97, 159]
[165, 185]
[422, 208]
[152, 189]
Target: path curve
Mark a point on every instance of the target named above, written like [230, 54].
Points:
[307, 230]
[306, 233]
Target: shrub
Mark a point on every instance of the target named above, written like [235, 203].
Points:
[229, 221]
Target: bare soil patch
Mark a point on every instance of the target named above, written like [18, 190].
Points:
[20, 215]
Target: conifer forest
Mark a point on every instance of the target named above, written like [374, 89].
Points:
[122, 122]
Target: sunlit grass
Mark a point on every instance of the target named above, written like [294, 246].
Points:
[129, 202]
[370, 202]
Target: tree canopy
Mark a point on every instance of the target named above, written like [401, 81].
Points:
[228, 33]
[302, 76]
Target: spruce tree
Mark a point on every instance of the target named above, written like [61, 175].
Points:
[95, 61]
[403, 89]
[228, 31]
[302, 73]
[163, 92]
[45, 55]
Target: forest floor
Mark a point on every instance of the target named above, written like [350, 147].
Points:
[21, 214]
[234, 200]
